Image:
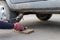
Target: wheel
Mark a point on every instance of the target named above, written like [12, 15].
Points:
[44, 17]
[7, 12]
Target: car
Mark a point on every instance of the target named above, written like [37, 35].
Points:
[42, 8]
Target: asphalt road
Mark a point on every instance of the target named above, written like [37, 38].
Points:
[49, 30]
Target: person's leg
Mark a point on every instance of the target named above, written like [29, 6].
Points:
[5, 25]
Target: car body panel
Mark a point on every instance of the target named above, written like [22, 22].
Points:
[24, 1]
[47, 4]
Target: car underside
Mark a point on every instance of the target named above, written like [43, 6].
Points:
[42, 8]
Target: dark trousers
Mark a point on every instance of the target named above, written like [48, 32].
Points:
[5, 25]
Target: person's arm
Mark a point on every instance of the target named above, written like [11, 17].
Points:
[5, 25]
[16, 26]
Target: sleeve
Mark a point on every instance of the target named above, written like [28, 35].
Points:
[5, 25]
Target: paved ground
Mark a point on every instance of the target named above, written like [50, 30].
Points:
[49, 30]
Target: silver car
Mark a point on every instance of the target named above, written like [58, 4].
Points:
[42, 8]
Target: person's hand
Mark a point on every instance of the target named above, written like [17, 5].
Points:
[18, 27]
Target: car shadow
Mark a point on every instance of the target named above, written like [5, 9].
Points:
[42, 25]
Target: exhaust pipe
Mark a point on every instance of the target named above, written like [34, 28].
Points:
[17, 19]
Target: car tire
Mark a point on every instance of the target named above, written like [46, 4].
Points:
[44, 17]
[7, 12]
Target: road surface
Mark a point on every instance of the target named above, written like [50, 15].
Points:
[49, 30]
